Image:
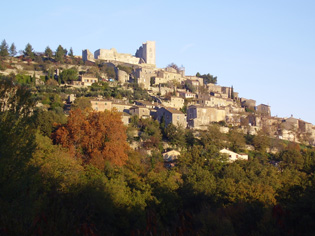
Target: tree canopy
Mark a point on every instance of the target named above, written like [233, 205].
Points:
[208, 78]
[95, 137]
[4, 49]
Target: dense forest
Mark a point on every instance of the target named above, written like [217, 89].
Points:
[76, 173]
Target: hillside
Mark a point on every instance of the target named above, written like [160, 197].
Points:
[114, 148]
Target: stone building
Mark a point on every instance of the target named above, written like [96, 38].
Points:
[175, 102]
[171, 116]
[147, 52]
[122, 76]
[101, 104]
[213, 101]
[233, 156]
[112, 55]
[168, 74]
[143, 76]
[199, 117]
[263, 110]
[84, 81]
[248, 103]
[186, 94]
[214, 88]
[87, 55]
[140, 111]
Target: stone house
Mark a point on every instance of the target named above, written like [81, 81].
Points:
[175, 102]
[122, 106]
[148, 104]
[263, 110]
[195, 78]
[194, 82]
[122, 76]
[168, 74]
[143, 76]
[233, 156]
[199, 117]
[214, 88]
[140, 111]
[248, 103]
[212, 101]
[171, 116]
[185, 94]
[84, 81]
[101, 104]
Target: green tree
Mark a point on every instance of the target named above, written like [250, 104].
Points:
[261, 141]
[28, 51]
[12, 50]
[175, 135]
[60, 53]
[69, 75]
[236, 139]
[48, 52]
[207, 78]
[82, 103]
[4, 49]
[71, 53]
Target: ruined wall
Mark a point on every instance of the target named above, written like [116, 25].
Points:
[87, 55]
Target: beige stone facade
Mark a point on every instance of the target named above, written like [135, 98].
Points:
[212, 101]
[140, 111]
[84, 81]
[87, 55]
[263, 110]
[171, 116]
[122, 76]
[101, 105]
[199, 117]
[147, 52]
[175, 102]
[233, 156]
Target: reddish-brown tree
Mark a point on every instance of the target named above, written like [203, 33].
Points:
[94, 137]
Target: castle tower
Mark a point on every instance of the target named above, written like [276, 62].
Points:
[147, 52]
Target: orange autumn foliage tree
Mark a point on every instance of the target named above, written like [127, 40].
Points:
[94, 137]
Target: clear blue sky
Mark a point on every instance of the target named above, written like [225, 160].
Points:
[265, 49]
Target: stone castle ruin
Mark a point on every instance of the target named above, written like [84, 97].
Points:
[144, 55]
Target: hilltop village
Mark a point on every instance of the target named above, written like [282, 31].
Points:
[188, 101]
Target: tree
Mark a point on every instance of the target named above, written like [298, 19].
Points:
[60, 53]
[174, 66]
[94, 137]
[82, 103]
[236, 139]
[28, 51]
[261, 141]
[175, 135]
[4, 49]
[12, 50]
[69, 75]
[71, 52]
[48, 52]
[207, 78]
